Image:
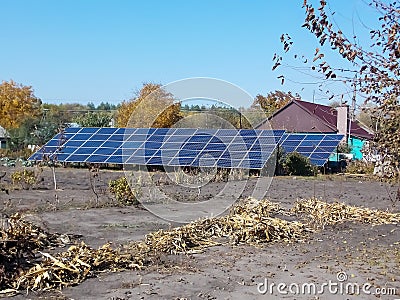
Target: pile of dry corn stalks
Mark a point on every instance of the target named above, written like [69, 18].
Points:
[319, 213]
[248, 222]
[76, 264]
[19, 241]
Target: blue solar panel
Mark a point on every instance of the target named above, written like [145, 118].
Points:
[89, 130]
[229, 148]
[53, 142]
[99, 137]
[115, 160]
[308, 143]
[134, 138]
[106, 130]
[112, 144]
[247, 132]
[95, 159]
[93, 144]
[317, 147]
[77, 158]
[104, 151]
[201, 138]
[294, 137]
[216, 146]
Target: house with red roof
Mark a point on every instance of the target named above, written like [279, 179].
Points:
[305, 117]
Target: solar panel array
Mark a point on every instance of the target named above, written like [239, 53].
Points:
[226, 148]
[317, 147]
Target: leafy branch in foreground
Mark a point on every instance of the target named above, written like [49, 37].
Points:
[373, 70]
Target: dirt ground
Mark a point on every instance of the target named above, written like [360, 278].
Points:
[366, 254]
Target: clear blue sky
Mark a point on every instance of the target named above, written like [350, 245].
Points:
[97, 50]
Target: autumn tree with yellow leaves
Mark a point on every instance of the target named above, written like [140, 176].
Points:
[273, 101]
[152, 107]
[17, 102]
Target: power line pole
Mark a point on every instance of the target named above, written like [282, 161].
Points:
[240, 117]
[353, 102]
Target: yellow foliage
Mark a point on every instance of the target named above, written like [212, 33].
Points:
[123, 192]
[16, 103]
[124, 112]
[273, 101]
[153, 107]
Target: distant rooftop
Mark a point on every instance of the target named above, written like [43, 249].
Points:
[303, 116]
[329, 116]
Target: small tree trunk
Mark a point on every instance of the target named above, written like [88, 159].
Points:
[53, 169]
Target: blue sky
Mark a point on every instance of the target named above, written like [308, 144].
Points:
[97, 50]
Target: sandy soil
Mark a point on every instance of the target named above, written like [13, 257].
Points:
[367, 254]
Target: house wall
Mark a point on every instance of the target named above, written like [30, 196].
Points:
[3, 138]
[356, 146]
[342, 120]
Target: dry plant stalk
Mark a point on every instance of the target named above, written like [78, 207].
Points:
[74, 266]
[248, 222]
[19, 241]
[320, 213]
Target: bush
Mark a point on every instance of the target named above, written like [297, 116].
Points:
[360, 167]
[297, 164]
[124, 194]
[26, 178]
[344, 148]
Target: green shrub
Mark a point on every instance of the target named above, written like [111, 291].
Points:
[360, 167]
[297, 164]
[344, 148]
[123, 192]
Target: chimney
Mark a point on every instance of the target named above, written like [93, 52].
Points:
[342, 123]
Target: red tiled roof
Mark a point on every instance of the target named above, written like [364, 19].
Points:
[327, 115]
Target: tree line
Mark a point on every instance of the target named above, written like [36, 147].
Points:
[29, 121]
